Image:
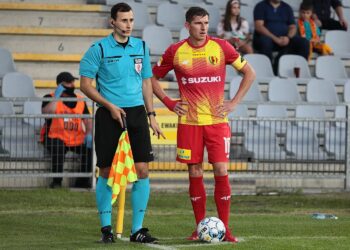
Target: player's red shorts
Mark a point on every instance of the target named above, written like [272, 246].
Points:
[192, 139]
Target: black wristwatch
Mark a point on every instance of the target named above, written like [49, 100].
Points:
[151, 113]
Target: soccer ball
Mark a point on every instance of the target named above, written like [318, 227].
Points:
[211, 229]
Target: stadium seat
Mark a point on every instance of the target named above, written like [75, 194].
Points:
[250, 2]
[170, 15]
[347, 91]
[187, 3]
[157, 38]
[310, 112]
[239, 126]
[17, 84]
[230, 73]
[217, 3]
[6, 108]
[6, 62]
[286, 66]
[151, 3]
[321, 91]
[214, 17]
[142, 17]
[33, 108]
[340, 113]
[247, 13]
[283, 90]
[346, 4]
[331, 68]
[262, 66]
[273, 111]
[339, 41]
[302, 144]
[183, 33]
[335, 142]
[295, 4]
[253, 94]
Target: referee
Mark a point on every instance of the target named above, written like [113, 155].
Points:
[122, 69]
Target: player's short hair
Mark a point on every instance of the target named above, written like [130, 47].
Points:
[305, 5]
[195, 11]
[119, 7]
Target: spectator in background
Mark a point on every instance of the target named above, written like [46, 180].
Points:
[235, 29]
[322, 14]
[61, 135]
[307, 28]
[275, 30]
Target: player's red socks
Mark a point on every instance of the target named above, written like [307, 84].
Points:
[222, 195]
[198, 197]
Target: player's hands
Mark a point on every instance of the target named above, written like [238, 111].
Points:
[225, 108]
[117, 114]
[88, 141]
[155, 127]
[176, 106]
[343, 23]
[59, 90]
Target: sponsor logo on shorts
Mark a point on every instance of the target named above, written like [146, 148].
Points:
[184, 154]
[227, 146]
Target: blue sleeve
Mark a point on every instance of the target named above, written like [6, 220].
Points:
[318, 31]
[146, 66]
[291, 19]
[90, 63]
[259, 12]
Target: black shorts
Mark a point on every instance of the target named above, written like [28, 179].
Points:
[108, 131]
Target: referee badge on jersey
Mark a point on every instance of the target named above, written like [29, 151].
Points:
[138, 65]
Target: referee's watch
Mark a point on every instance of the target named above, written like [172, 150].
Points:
[151, 113]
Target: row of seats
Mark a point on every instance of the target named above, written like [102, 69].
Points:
[311, 136]
[286, 90]
[327, 67]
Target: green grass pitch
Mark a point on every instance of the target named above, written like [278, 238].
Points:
[65, 219]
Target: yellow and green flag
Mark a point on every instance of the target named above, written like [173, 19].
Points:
[123, 167]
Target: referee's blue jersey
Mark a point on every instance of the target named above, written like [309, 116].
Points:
[118, 71]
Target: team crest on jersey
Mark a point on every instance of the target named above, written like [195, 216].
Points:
[213, 60]
[138, 64]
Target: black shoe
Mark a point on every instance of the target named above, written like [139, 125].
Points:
[107, 235]
[142, 236]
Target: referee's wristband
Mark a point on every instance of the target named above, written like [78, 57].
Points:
[151, 113]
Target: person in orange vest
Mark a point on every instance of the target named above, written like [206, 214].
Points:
[308, 29]
[61, 135]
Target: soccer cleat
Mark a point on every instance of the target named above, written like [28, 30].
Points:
[107, 235]
[194, 236]
[142, 236]
[229, 237]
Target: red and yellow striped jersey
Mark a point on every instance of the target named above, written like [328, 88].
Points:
[200, 72]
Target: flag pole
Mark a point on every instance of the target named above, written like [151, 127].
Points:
[120, 214]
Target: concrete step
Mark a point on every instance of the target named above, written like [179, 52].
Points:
[45, 1]
[18, 30]
[53, 7]
[47, 70]
[46, 44]
[55, 19]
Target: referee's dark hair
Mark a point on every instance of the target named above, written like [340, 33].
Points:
[119, 7]
[195, 11]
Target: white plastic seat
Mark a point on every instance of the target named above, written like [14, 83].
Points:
[247, 13]
[170, 15]
[237, 125]
[253, 94]
[287, 63]
[142, 17]
[183, 33]
[262, 66]
[322, 91]
[6, 108]
[283, 90]
[295, 4]
[230, 73]
[273, 111]
[312, 112]
[6, 62]
[187, 3]
[331, 68]
[340, 113]
[335, 142]
[214, 17]
[33, 108]
[347, 91]
[339, 41]
[218, 3]
[303, 144]
[157, 38]
[17, 84]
